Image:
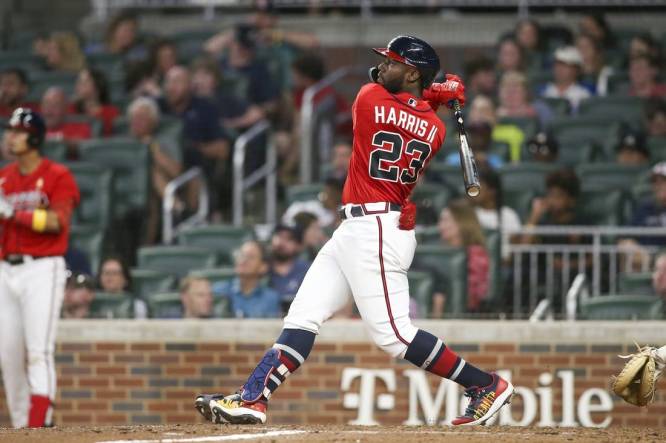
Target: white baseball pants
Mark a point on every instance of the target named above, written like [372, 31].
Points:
[31, 296]
[367, 258]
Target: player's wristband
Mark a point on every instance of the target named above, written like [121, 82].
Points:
[33, 219]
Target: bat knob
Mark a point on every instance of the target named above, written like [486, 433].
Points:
[473, 190]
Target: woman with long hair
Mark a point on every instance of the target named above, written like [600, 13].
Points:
[92, 98]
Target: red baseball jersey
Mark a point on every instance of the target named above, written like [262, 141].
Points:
[50, 186]
[395, 136]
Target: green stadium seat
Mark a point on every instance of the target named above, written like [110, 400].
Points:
[428, 235]
[165, 305]
[603, 207]
[608, 176]
[627, 109]
[494, 247]
[452, 264]
[538, 78]
[95, 185]
[560, 106]
[579, 130]
[130, 161]
[147, 281]
[298, 193]
[107, 305]
[55, 150]
[214, 275]
[521, 182]
[430, 199]
[657, 148]
[639, 283]
[449, 175]
[618, 83]
[421, 286]
[221, 239]
[89, 240]
[176, 260]
[106, 62]
[221, 308]
[622, 307]
[20, 59]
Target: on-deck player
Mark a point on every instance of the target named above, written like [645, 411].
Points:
[37, 197]
[396, 134]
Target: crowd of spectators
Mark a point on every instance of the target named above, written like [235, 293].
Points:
[230, 84]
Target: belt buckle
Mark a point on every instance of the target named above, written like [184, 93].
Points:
[14, 259]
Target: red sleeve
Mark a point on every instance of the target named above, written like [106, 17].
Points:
[65, 197]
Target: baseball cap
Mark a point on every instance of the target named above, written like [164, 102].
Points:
[77, 280]
[569, 55]
[542, 143]
[633, 141]
[659, 170]
[295, 232]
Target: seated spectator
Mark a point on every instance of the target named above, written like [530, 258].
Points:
[644, 44]
[248, 294]
[241, 61]
[655, 118]
[489, 208]
[566, 70]
[114, 277]
[596, 26]
[236, 113]
[14, 90]
[140, 82]
[205, 143]
[542, 148]
[342, 151]
[92, 98]
[632, 150]
[163, 56]
[79, 295]
[458, 227]
[287, 270]
[76, 261]
[510, 56]
[559, 207]
[643, 72]
[659, 276]
[482, 111]
[144, 115]
[514, 96]
[122, 38]
[64, 53]
[594, 70]
[314, 236]
[652, 213]
[480, 78]
[325, 207]
[196, 298]
[529, 37]
[479, 134]
[54, 109]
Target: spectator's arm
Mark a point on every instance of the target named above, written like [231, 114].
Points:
[303, 40]
[163, 161]
[218, 43]
[253, 114]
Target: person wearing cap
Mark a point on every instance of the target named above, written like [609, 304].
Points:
[37, 198]
[79, 295]
[542, 148]
[652, 212]
[287, 271]
[566, 70]
[632, 150]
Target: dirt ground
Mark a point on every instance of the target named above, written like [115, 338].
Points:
[351, 434]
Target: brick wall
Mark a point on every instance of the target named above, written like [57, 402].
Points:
[121, 382]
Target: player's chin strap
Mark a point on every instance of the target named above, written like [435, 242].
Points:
[373, 73]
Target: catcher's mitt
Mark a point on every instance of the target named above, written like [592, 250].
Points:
[637, 382]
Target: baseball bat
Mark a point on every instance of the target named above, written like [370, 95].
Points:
[470, 173]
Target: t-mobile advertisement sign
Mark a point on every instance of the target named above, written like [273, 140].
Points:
[441, 407]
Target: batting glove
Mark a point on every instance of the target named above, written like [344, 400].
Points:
[445, 93]
[6, 208]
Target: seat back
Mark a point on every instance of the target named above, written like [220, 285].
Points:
[148, 281]
[221, 239]
[214, 275]
[176, 260]
[451, 264]
[107, 305]
[297, 193]
[164, 305]
[622, 307]
[605, 176]
[89, 240]
[96, 187]
[420, 289]
[430, 199]
[639, 283]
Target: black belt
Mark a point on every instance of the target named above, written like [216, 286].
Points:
[361, 210]
[19, 259]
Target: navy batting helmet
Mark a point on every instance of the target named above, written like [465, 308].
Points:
[25, 119]
[413, 52]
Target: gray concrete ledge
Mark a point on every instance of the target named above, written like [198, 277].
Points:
[349, 331]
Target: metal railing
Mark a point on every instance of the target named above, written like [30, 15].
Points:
[267, 171]
[308, 123]
[169, 229]
[545, 271]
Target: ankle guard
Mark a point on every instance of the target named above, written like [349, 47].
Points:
[269, 370]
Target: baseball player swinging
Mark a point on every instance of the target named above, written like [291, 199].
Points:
[37, 197]
[396, 134]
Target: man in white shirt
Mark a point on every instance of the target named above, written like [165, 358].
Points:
[566, 70]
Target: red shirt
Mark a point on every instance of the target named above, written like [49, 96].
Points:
[395, 136]
[478, 273]
[50, 186]
[70, 131]
[106, 114]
